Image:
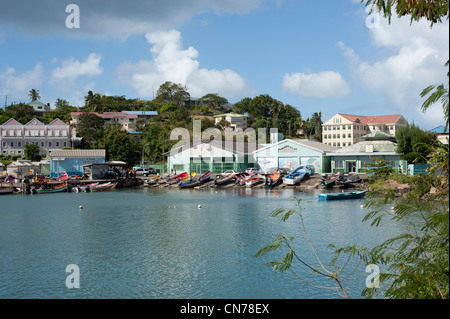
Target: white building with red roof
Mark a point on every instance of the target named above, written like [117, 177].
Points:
[343, 130]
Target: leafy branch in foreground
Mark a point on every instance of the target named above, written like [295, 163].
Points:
[335, 272]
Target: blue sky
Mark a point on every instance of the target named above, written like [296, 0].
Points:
[326, 55]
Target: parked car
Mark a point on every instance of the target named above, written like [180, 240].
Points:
[142, 172]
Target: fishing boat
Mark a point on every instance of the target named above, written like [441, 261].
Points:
[85, 188]
[253, 181]
[245, 179]
[6, 191]
[240, 176]
[343, 195]
[103, 187]
[273, 179]
[177, 178]
[330, 180]
[296, 176]
[348, 179]
[56, 189]
[205, 177]
[189, 184]
[153, 180]
[223, 179]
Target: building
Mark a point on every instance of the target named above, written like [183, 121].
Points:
[216, 156]
[72, 161]
[14, 136]
[353, 158]
[442, 134]
[39, 107]
[126, 121]
[291, 153]
[235, 121]
[21, 167]
[343, 130]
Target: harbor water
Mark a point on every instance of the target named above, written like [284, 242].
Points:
[160, 244]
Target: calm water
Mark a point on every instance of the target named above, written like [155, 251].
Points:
[136, 244]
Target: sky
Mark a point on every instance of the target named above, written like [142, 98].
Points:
[326, 56]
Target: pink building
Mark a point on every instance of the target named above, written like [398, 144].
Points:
[14, 136]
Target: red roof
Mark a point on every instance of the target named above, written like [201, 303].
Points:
[376, 119]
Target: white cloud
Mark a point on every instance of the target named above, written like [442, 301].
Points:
[170, 62]
[72, 69]
[18, 85]
[316, 85]
[414, 60]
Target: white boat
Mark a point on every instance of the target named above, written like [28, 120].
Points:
[252, 181]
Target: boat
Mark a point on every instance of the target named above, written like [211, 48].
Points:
[177, 178]
[330, 180]
[85, 188]
[10, 178]
[63, 177]
[6, 191]
[245, 179]
[253, 181]
[343, 195]
[295, 176]
[153, 179]
[205, 177]
[189, 184]
[223, 179]
[239, 176]
[56, 189]
[273, 179]
[348, 179]
[103, 187]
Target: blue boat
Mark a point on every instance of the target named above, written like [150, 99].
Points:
[343, 195]
[223, 179]
[295, 176]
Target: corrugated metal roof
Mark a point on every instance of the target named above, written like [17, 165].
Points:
[78, 153]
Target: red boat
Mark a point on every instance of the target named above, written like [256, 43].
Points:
[177, 178]
[330, 179]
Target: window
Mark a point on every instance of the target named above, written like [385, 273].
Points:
[339, 136]
[338, 164]
[57, 144]
[4, 144]
[11, 144]
[64, 144]
[343, 135]
[49, 144]
[19, 144]
[42, 144]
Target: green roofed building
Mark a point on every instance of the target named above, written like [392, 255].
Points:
[375, 145]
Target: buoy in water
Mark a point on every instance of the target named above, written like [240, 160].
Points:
[392, 208]
[80, 207]
[199, 206]
[362, 206]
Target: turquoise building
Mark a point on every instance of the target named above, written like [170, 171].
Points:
[72, 161]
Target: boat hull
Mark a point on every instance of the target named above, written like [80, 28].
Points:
[340, 196]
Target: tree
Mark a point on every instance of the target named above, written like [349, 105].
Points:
[413, 143]
[21, 112]
[32, 152]
[119, 145]
[171, 92]
[34, 95]
[90, 128]
[214, 101]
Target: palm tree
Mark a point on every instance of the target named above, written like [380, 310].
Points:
[34, 95]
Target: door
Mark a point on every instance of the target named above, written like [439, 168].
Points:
[351, 166]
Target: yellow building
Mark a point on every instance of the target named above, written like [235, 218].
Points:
[343, 130]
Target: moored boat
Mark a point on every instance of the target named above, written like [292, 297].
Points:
[296, 176]
[177, 178]
[6, 191]
[253, 181]
[348, 179]
[273, 179]
[153, 180]
[85, 188]
[330, 179]
[56, 189]
[205, 177]
[223, 179]
[103, 187]
[245, 179]
[343, 195]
